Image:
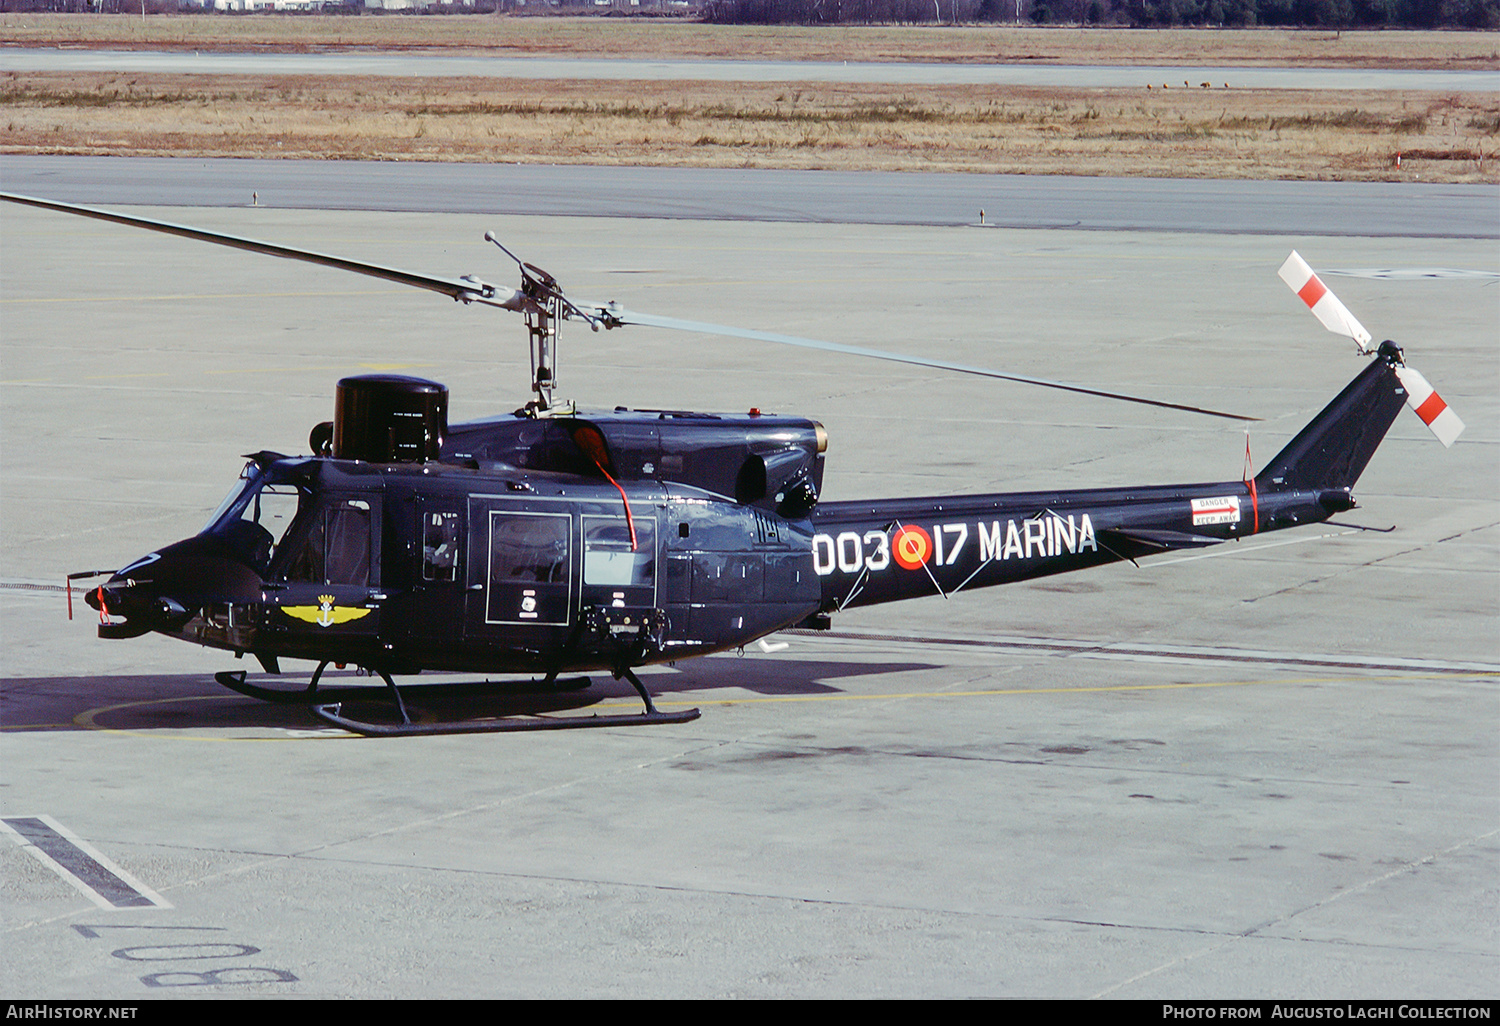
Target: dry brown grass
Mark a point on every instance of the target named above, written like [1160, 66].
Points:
[664, 39]
[1181, 133]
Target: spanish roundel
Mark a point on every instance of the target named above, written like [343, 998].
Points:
[912, 547]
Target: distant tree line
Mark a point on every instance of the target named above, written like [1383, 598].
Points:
[1419, 14]
[1423, 14]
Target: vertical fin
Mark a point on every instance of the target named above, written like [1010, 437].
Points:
[1334, 448]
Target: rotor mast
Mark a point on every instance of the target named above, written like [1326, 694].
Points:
[544, 316]
[545, 308]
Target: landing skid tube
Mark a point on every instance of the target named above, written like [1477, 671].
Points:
[235, 681]
[310, 695]
[333, 712]
[505, 725]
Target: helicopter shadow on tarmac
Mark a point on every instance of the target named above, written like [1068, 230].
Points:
[183, 701]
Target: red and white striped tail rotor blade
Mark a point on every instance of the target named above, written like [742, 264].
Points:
[1428, 405]
[1323, 303]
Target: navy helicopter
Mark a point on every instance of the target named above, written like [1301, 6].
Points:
[556, 540]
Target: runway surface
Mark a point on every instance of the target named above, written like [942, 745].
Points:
[1383, 209]
[1265, 770]
[15, 59]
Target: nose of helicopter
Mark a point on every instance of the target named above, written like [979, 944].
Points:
[164, 589]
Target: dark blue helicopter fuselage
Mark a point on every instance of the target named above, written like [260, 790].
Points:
[522, 563]
[566, 544]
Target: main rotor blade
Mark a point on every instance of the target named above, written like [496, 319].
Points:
[619, 315]
[466, 289]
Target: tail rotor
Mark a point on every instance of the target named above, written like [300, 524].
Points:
[1335, 316]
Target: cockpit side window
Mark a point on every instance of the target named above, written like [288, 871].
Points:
[348, 550]
[307, 561]
[257, 533]
[440, 541]
[336, 546]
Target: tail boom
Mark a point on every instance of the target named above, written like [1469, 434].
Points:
[883, 551]
[886, 550]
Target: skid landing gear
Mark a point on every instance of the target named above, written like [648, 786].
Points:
[235, 681]
[332, 712]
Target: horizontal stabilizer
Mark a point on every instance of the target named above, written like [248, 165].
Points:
[1158, 538]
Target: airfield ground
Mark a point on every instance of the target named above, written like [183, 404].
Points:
[1262, 770]
[1265, 770]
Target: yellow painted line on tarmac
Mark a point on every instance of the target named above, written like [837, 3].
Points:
[197, 295]
[336, 367]
[88, 720]
[242, 370]
[119, 377]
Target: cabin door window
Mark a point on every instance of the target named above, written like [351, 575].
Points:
[441, 531]
[530, 568]
[615, 573]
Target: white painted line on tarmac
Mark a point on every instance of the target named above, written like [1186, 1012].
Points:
[79, 863]
[1413, 273]
[1140, 652]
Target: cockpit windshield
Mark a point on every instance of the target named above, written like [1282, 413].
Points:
[256, 516]
[244, 484]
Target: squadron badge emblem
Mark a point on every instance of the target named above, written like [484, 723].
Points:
[325, 614]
